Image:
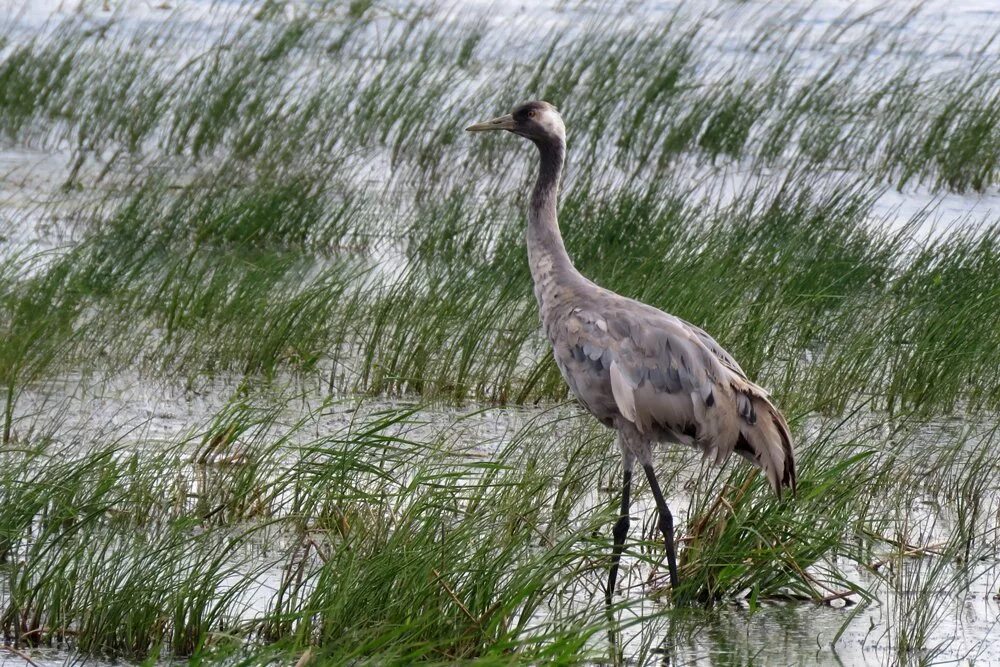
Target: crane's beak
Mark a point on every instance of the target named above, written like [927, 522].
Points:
[501, 123]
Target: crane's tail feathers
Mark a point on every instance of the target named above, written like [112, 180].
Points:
[765, 441]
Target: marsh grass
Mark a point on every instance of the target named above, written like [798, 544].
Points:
[736, 266]
[373, 541]
[40, 327]
[319, 87]
[793, 279]
[369, 531]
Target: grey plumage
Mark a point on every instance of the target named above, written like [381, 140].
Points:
[649, 375]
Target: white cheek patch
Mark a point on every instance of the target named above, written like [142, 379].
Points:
[552, 121]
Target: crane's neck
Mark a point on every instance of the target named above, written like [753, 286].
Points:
[551, 268]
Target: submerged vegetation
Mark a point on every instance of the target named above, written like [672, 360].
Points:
[266, 242]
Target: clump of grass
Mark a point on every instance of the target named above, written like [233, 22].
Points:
[745, 544]
[121, 552]
[32, 76]
[415, 548]
[40, 326]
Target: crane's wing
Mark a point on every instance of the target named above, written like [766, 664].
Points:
[720, 353]
[675, 382]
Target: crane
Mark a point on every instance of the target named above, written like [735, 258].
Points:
[649, 375]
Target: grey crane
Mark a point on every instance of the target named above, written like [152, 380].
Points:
[651, 376]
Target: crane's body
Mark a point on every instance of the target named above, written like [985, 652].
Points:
[649, 375]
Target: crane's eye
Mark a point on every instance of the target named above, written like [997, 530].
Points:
[531, 113]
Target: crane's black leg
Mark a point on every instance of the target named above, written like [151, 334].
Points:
[620, 531]
[666, 523]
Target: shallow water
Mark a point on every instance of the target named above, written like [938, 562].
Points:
[940, 36]
[845, 631]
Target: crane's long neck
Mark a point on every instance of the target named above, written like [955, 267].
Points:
[551, 268]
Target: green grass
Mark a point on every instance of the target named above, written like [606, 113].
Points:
[133, 554]
[371, 542]
[820, 305]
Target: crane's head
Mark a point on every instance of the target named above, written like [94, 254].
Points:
[537, 121]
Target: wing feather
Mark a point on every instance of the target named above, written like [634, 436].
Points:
[623, 391]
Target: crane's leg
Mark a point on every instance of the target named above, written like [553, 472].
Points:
[666, 522]
[621, 528]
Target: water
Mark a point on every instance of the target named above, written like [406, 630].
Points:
[845, 630]
[941, 36]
